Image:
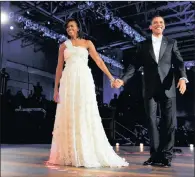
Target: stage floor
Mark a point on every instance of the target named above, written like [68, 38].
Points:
[29, 161]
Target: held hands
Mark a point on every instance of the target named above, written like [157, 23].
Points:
[182, 86]
[117, 83]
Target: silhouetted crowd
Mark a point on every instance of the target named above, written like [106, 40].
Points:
[31, 120]
[27, 120]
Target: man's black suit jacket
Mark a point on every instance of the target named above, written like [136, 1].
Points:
[170, 62]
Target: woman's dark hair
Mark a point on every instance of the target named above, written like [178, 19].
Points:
[80, 33]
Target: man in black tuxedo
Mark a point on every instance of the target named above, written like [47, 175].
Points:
[160, 58]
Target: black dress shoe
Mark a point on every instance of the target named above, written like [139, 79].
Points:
[150, 161]
[166, 162]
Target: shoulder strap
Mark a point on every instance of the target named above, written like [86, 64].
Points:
[68, 43]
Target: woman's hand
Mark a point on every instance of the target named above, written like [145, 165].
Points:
[56, 96]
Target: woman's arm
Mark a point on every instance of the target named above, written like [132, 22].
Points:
[100, 63]
[59, 65]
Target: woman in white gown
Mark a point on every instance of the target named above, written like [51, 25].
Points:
[78, 135]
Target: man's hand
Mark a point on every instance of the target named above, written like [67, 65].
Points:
[117, 83]
[182, 86]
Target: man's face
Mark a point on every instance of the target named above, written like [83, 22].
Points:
[158, 25]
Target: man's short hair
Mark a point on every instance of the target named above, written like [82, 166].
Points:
[156, 17]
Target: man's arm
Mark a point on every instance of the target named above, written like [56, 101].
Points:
[128, 74]
[137, 63]
[178, 62]
[180, 69]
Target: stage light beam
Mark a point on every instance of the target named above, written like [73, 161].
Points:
[4, 18]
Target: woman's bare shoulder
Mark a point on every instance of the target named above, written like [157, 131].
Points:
[62, 46]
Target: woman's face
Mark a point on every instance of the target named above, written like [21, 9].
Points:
[72, 29]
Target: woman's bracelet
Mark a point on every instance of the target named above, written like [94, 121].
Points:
[112, 80]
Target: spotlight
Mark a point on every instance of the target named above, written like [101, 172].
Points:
[141, 147]
[4, 18]
[11, 27]
[191, 147]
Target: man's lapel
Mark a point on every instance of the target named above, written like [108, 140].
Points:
[151, 50]
[163, 47]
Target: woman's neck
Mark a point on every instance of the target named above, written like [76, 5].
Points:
[74, 38]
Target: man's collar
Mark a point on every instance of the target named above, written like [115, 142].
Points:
[154, 38]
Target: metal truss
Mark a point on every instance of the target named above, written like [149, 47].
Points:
[114, 21]
[142, 8]
[14, 38]
[59, 12]
[187, 49]
[49, 9]
[115, 44]
[37, 48]
[181, 35]
[178, 15]
[27, 42]
[182, 28]
[182, 42]
[183, 14]
[27, 39]
[182, 11]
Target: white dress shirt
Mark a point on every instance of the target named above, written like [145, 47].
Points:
[156, 43]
